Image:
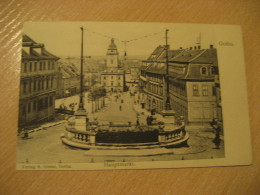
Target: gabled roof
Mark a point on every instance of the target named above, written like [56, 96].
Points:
[26, 38]
[30, 50]
[206, 56]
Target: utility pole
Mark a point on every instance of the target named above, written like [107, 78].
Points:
[81, 102]
[167, 103]
[125, 54]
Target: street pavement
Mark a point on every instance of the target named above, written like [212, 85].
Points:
[45, 146]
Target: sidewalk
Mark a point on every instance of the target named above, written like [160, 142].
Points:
[44, 126]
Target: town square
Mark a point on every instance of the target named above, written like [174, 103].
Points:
[161, 105]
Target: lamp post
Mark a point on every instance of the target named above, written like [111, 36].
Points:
[81, 114]
[81, 101]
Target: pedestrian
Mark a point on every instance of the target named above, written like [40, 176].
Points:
[137, 119]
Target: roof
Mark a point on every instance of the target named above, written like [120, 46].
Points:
[208, 56]
[192, 61]
[68, 70]
[155, 62]
[32, 50]
[183, 63]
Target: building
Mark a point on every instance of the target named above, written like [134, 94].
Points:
[68, 79]
[152, 79]
[113, 78]
[38, 83]
[132, 73]
[191, 82]
[218, 100]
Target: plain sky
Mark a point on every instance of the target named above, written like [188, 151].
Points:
[63, 38]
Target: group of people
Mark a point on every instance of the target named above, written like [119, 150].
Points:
[149, 120]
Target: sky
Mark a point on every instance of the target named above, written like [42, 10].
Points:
[63, 39]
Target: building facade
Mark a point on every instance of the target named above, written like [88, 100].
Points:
[191, 82]
[113, 78]
[68, 79]
[191, 75]
[152, 79]
[38, 83]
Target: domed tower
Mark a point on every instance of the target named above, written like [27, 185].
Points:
[112, 55]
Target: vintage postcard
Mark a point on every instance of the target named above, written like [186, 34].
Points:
[107, 95]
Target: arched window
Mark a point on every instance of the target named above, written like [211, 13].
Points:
[203, 70]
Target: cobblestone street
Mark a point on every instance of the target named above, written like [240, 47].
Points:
[51, 150]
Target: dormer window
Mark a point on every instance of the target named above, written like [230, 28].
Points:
[214, 70]
[203, 71]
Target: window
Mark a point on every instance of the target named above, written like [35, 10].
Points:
[34, 105]
[204, 90]
[119, 77]
[203, 70]
[42, 84]
[24, 109]
[111, 77]
[49, 65]
[34, 85]
[214, 70]
[195, 90]
[112, 61]
[40, 65]
[46, 102]
[52, 65]
[25, 67]
[119, 84]
[47, 84]
[112, 84]
[35, 66]
[44, 65]
[51, 82]
[29, 107]
[30, 66]
[213, 91]
[50, 101]
[24, 87]
[40, 104]
[30, 86]
[39, 85]
[104, 78]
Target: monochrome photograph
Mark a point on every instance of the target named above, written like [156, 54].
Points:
[105, 95]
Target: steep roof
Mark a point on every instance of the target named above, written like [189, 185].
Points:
[208, 56]
[68, 69]
[32, 50]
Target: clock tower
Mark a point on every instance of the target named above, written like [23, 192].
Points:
[112, 55]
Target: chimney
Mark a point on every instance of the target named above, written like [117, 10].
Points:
[211, 46]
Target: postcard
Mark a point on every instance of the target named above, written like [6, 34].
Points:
[109, 95]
